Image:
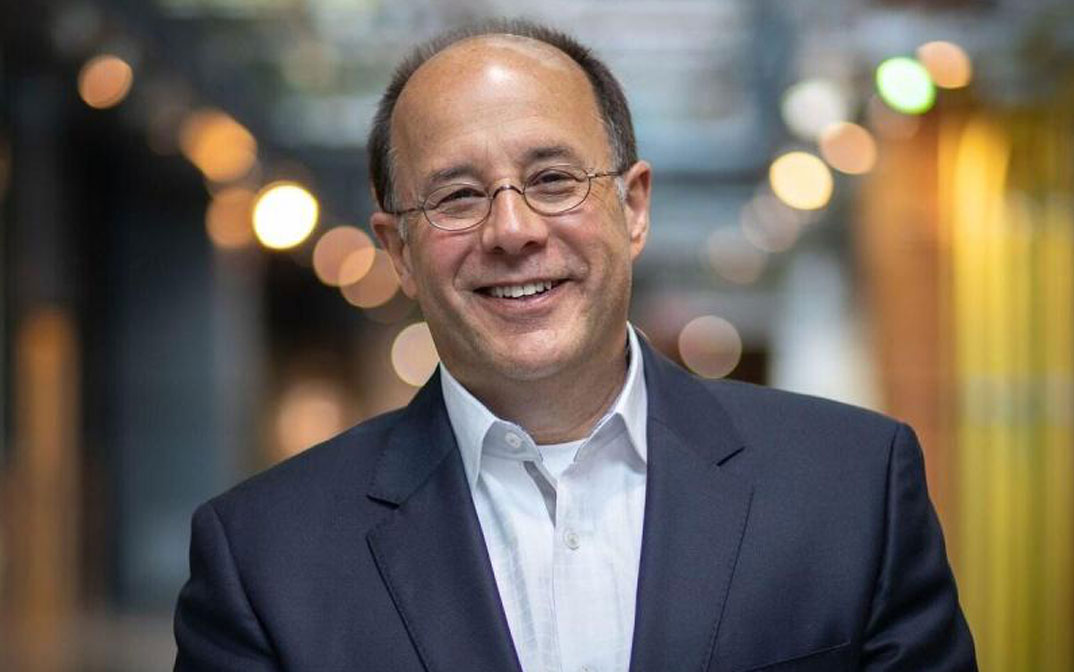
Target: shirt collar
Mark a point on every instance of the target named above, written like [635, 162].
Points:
[472, 421]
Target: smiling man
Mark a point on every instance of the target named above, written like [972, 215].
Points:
[559, 496]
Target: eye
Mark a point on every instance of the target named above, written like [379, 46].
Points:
[552, 186]
[453, 195]
[552, 176]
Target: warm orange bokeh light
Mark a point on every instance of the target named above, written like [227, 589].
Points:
[848, 148]
[710, 346]
[377, 287]
[309, 412]
[801, 180]
[105, 81]
[285, 214]
[229, 218]
[948, 64]
[343, 256]
[222, 148]
[414, 355]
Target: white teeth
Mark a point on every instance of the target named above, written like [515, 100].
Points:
[517, 291]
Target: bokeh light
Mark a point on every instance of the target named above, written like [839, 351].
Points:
[414, 355]
[811, 105]
[284, 215]
[948, 64]
[310, 411]
[905, 85]
[377, 287]
[104, 81]
[222, 148]
[848, 148]
[801, 180]
[229, 218]
[769, 224]
[710, 346]
[733, 257]
[343, 256]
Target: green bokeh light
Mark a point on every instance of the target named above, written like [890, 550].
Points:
[905, 85]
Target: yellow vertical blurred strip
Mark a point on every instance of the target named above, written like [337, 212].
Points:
[990, 381]
[1056, 280]
[978, 177]
[1017, 382]
[1007, 199]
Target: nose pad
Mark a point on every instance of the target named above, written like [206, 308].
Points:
[515, 226]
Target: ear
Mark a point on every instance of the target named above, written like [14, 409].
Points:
[387, 232]
[638, 183]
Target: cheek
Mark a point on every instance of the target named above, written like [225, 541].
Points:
[434, 274]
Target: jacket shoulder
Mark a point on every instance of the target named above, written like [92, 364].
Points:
[746, 400]
[337, 469]
[788, 424]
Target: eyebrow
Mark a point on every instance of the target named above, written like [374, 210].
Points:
[450, 173]
[468, 169]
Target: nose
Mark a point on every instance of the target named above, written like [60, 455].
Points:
[512, 227]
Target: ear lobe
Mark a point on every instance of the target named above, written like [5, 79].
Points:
[638, 181]
[385, 229]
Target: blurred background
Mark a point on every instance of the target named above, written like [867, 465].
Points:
[868, 200]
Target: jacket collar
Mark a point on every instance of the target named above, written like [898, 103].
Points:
[695, 519]
[432, 556]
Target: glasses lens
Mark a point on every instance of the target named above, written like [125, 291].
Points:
[456, 206]
[558, 189]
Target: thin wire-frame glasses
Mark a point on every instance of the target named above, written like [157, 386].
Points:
[550, 191]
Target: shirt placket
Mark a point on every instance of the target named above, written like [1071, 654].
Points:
[573, 570]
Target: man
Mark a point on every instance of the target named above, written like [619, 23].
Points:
[559, 496]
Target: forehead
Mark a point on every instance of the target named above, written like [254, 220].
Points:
[491, 101]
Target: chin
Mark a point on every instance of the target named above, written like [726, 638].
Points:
[526, 363]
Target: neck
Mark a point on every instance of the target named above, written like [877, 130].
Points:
[564, 406]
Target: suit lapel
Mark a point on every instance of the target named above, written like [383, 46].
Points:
[695, 518]
[430, 550]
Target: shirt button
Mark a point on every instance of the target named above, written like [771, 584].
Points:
[513, 440]
[571, 538]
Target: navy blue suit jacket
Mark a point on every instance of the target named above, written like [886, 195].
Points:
[781, 532]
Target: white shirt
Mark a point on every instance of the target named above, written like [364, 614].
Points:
[562, 525]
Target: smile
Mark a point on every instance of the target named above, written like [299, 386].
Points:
[521, 290]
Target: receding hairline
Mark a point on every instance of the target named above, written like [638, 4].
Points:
[520, 45]
[611, 103]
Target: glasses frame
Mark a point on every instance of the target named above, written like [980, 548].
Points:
[490, 197]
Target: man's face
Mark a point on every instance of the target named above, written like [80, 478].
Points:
[494, 111]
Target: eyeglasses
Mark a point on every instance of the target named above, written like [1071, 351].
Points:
[550, 191]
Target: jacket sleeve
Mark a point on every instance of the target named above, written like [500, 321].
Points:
[915, 622]
[215, 626]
